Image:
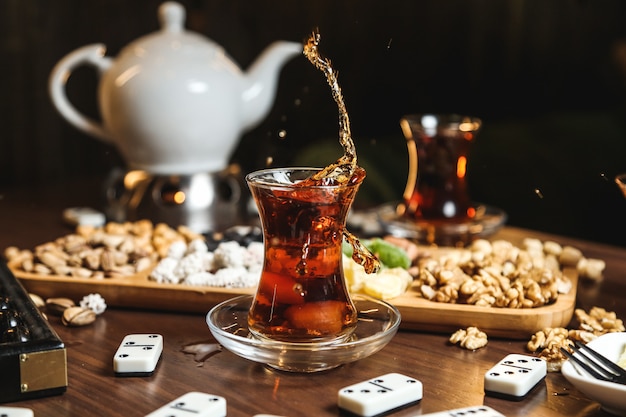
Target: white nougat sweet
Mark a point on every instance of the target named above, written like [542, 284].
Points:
[514, 376]
[138, 355]
[196, 404]
[380, 395]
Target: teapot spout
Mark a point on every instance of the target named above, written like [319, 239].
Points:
[261, 79]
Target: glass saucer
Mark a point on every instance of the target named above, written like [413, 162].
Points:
[378, 323]
[459, 232]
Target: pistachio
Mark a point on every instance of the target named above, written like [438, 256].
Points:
[37, 300]
[143, 263]
[41, 269]
[123, 270]
[11, 252]
[114, 250]
[57, 306]
[78, 316]
[81, 273]
[74, 244]
[28, 265]
[113, 240]
[107, 260]
[51, 259]
[92, 259]
[98, 275]
[62, 270]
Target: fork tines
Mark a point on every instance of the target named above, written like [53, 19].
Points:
[595, 364]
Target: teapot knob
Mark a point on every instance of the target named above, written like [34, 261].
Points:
[171, 16]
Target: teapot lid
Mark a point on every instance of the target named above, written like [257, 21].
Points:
[172, 37]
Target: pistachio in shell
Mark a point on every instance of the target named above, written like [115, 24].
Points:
[58, 305]
[78, 316]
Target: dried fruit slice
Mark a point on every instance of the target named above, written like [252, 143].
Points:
[281, 289]
[324, 317]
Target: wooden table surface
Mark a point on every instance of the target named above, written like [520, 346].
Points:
[452, 377]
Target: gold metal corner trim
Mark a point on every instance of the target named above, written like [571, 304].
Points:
[43, 370]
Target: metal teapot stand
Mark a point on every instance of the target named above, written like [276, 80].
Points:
[204, 202]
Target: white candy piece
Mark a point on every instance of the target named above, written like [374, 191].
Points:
[177, 250]
[138, 355]
[16, 412]
[229, 254]
[380, 395]
[198, 245]
[514, 376]
[196, 404]
[230, 265]
[94, 302]
[477, 411]
[164, 271]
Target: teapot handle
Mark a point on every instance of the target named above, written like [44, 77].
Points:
[90, 55]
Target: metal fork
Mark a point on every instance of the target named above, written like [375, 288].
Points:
[595, 364]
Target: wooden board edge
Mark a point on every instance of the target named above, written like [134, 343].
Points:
[137, 293]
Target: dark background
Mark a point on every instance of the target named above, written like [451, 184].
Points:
[546, 77]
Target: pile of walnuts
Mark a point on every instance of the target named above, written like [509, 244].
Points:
[499, 274]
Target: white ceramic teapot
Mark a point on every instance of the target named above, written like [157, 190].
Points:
[173, 102]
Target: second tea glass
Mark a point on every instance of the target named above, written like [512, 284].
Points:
[436, 207]
[439, 148]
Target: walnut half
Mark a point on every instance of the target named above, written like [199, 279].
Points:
[471, 338]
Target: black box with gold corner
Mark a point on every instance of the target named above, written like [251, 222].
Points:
[33, 359]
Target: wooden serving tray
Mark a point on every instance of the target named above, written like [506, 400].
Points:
[417, 313]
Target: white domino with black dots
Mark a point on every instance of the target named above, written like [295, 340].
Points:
[380, 395]
[196, 404]
[138, 355]
[477, 411]
[16, 412]
[514, 376]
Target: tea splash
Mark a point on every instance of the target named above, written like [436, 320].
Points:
[343, 170]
